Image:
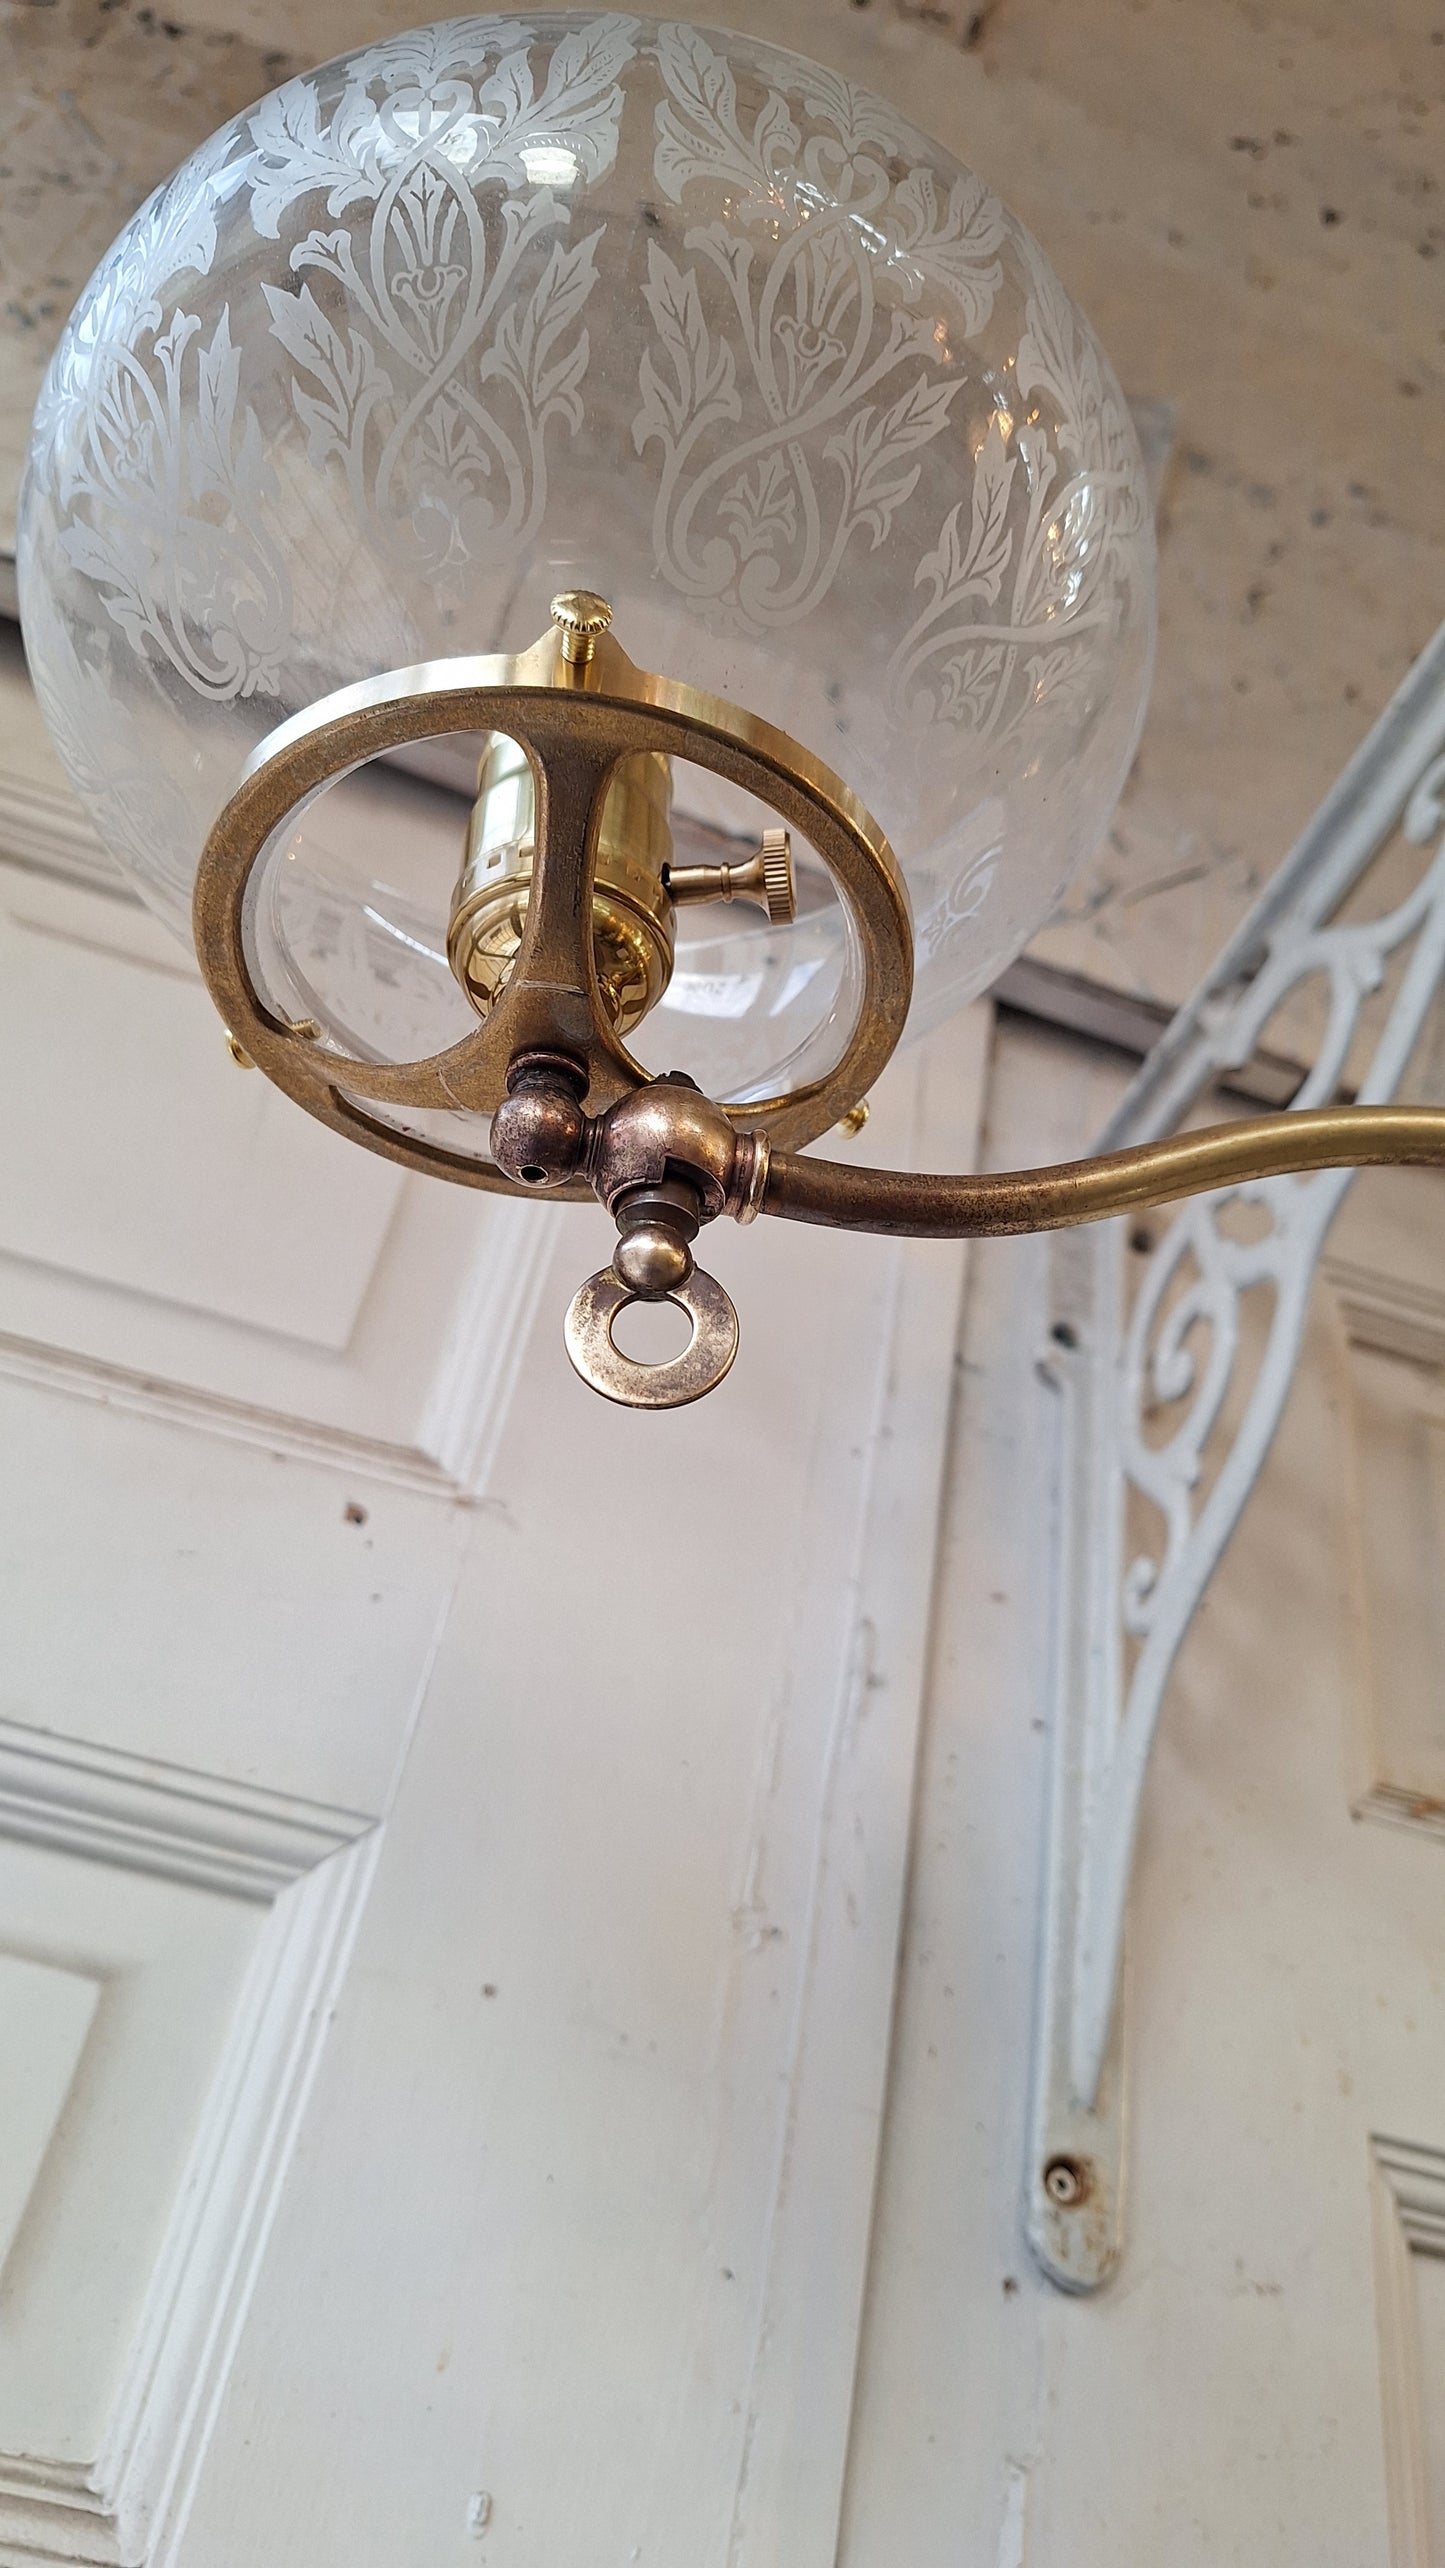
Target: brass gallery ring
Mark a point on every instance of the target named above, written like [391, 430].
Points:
[704, 1360]
[575, 727]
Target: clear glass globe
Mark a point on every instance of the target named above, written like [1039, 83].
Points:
[491, 310]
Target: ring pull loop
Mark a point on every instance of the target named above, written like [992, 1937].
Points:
[704, 1360]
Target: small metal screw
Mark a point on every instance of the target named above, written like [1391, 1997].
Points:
[1066, 2182]
[852, 1123]
[581, 617]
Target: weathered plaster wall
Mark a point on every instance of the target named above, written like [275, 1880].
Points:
[1248, 196]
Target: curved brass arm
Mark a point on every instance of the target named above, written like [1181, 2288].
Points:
[897, 1202]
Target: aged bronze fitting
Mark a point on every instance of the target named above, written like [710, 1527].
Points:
[561, 934]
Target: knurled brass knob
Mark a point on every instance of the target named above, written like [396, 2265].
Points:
[766, 880]
[777, 861]
[581, 617]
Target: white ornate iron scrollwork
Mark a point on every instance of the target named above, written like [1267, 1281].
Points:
[1114, 1370]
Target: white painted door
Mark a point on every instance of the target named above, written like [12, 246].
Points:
[1264, 2380]
[455, 1837]
[452, 1832]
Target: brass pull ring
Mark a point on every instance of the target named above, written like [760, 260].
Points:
[671, 1384]
[577, 722]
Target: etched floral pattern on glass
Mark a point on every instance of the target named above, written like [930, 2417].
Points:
[503, 306]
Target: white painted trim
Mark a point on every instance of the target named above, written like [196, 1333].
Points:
[1416, 2178]
[1398, 1317]
[452, 1434]
[471, 1430]
[1393, 1807]
[1408, 2198]
[800, 2394]
[162, 1819]
[208, 2270]
[466, 1407]
[1387, 1312]
[312, 1865]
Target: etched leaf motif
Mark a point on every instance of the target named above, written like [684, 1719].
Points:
[859, 117]
[1057, 357]
[705, 377]
[1048, 357]
[1072, 495]
[963, 904]
[143, 815]
[1062, 680]
[762, 507]
[955, 570]
[345, 368]
[698, 132]
[578, 107]
[295, 155]
[451, 362]
[121, 582]
[872, 449]
[968, 685]
[793, 328]
[176, 231]
[958, 251]
[175, 538]
[547, 379]
[172, 234]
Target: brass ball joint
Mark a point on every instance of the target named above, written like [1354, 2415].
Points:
[562, 936]
[663, 1161]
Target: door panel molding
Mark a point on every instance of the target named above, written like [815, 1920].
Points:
[214, 1833]
[1408, 2186]
[308, 1867]
[240, 1274]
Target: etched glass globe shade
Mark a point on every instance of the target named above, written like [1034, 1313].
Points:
[487, 311]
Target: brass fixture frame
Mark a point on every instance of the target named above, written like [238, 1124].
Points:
[573, 1113]
[578, 719]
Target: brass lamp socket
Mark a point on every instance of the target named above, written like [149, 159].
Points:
[632, 934]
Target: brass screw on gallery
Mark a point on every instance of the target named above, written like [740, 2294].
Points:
[581, 617]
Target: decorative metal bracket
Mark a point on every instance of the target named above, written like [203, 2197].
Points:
[1121, 1611]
